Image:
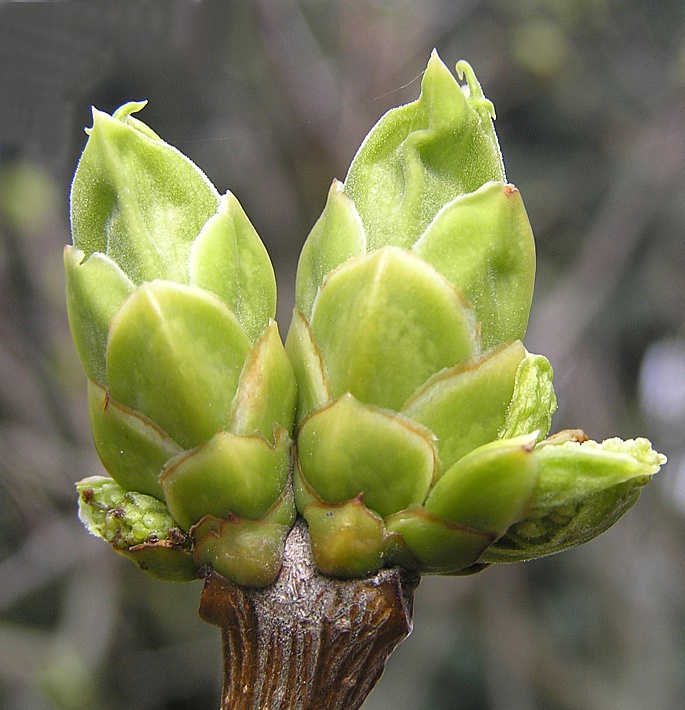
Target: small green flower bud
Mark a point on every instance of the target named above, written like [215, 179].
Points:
[248, 552]
[583, 488]
[421, 156]
[137, 526]
[347, 539]
[432, 545]
[171, 298]
[137, 200]
[419, 409]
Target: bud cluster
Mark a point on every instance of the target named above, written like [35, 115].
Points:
[419, 418]
[171, 297]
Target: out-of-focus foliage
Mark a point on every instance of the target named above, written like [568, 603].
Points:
[272, 100]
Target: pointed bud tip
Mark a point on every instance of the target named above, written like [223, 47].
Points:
[100, 117]
[227, 203]
[473, 90]
[130, 107]
[73, 254]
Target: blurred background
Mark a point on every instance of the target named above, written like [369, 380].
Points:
[271, 100]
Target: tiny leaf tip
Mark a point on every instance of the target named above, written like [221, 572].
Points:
[475, 92]
[124, 111]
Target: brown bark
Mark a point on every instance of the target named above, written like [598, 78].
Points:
[308, 641]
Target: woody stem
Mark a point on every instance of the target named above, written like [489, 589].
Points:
[307, 641]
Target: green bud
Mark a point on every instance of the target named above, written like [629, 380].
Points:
[490, 488]
[583, 488]
[444, 403]
[132, 448]
[96, 289]
[171, 298]
[137, 200]
[355, 325]
[248, 552]
[419, 409]
[421, 156]
[230, 474]
[191, 335]
[482, 242]
[349, 448]
[137, 526]
[347, 539]
[433, 545]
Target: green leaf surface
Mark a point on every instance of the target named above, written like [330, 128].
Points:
[385, 323]
[489, 489]
[267, 391]
[313, 389]
[533, 402]
[303, 491]
[247, 552]
[348, 448]
[465, 406]
[337, 236]
[573, 470]
[175, 354]
[137, 200]
[283, 511]
[437, 546]
[162, 559]
[96, 289]
[583, 489]
[482, 242]
[347, 539]
[228, 475]
[229, 259]
[420, 156]
[131, 447]
[559, 529]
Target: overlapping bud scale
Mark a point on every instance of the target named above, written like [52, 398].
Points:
[421, 416]
[171, 298]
